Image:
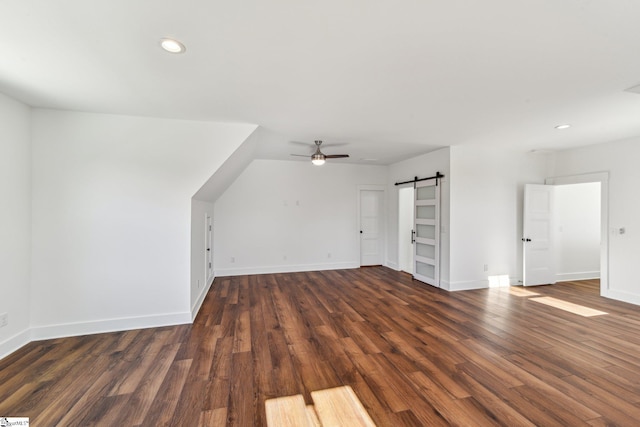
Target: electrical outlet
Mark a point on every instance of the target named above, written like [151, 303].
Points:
[486, 267]
[4, 320]
[233, 259]
[328, 254]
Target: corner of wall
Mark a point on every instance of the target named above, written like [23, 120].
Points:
[15, 343]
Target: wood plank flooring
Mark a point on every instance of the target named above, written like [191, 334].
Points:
[414, 355]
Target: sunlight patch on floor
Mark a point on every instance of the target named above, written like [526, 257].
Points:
[568, 306]
[518, 291]
[499, 281]
[333, 407]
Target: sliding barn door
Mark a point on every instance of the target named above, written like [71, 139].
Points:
[426, 256]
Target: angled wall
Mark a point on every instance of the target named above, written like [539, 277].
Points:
[15, 222]
[112, 217]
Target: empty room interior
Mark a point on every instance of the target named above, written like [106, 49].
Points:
[319, 213]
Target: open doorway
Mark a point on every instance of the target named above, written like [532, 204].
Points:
[587, 215]
[405, 229]
[577, 233]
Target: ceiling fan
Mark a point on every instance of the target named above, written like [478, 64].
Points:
[318, 158]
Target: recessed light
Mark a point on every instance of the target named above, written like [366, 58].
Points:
[565, 126]
[172, 45]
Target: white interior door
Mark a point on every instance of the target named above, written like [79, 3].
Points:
[426, 256]
[371, 231]
[537, 252]
[209, 247]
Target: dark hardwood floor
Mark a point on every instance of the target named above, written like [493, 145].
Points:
[413, 354]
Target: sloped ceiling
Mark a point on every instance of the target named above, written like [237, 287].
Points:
[387, 79]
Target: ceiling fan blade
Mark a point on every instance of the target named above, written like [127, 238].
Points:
[301, 155]
[336, 156]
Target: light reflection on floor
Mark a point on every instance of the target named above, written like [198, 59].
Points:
[569, 306]
[521, 292]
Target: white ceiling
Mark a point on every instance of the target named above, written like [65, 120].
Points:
[388, 79]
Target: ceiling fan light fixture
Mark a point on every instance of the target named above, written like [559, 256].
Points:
[318, 159]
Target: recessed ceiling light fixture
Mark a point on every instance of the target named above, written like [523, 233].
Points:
[565, 126]
[172, 45]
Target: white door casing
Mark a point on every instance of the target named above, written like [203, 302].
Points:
[537, 236]
[426, 255]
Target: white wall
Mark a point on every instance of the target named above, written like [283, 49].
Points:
[620, 159]
[289, 215]
[200, 283]
[486, 212]
[15, 222]
[112, 217]
[422, 166]
[577, 231]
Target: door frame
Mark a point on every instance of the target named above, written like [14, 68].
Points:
[383, 220]
[404, 243]
[603, 179]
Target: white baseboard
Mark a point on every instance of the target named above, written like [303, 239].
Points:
[444, 284]
[393, 265]
[466, 285]
[583, 275]
[87, 328]
[14, 343]
[196, 307]
[111, 325]
[470, 285]
[285, 269]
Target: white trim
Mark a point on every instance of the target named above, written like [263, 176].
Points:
[471, 285]
[111, 325]
[203, 294]
[582, 275]
[89, 328]
[467, 285]
[14, 343]
[603, 179]
[392, 265]
[285, 269]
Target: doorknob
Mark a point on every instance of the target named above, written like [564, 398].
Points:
[360, 231]
[413, 236]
